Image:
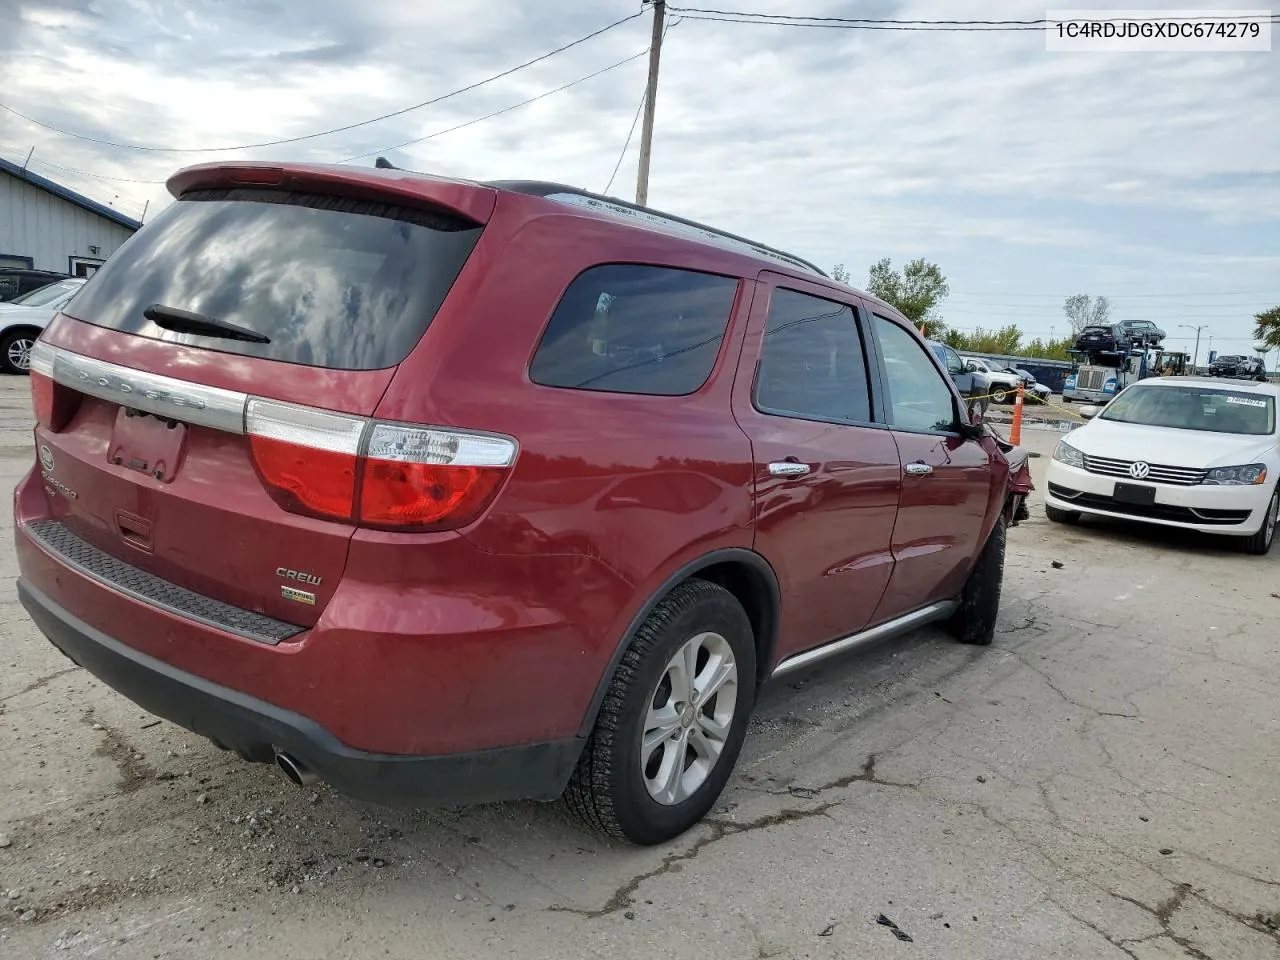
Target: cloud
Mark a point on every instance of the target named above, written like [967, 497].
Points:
[980, 150]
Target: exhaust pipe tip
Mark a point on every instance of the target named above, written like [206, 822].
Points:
[298, 773]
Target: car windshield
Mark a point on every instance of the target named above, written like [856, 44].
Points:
[48, 294]
[1205, 408]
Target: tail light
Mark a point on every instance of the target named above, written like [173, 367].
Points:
[53, 405]
[388, 475]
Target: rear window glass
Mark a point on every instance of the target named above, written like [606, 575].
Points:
[635, 329]
[332, 282]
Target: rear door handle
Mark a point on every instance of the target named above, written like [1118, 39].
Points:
[918, 469]
[788, 468]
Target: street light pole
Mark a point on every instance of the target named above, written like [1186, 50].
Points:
[1195, 360]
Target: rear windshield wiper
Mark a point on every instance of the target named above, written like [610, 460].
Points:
[184, 321]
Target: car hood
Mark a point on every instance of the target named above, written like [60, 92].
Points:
[10, 312]
[1165, 445]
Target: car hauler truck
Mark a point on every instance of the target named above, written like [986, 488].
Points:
[1099, 376]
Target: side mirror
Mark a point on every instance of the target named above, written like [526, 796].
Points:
[1089, 411]
[971, 367]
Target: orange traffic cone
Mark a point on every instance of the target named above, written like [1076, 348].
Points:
[1015, 430]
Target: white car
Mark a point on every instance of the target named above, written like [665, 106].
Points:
[22, 319]
[1004, 385]
[1187, 452]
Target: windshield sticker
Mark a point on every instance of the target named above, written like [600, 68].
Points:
[1246, 401]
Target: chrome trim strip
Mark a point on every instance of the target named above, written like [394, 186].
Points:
[929, 614]
[169, 397]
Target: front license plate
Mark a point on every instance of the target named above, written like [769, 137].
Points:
[1134, 493]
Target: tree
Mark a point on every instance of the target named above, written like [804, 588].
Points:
[1006, 340]
[839, 274]
[1086, 311]
[1049, 349]
[915, 292]
[1267, 329]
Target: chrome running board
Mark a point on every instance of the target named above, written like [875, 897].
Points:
[891, 628]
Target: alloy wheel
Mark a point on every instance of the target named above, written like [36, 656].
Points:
[689, 718]
[20, 353]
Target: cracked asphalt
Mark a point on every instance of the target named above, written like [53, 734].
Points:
[1100, 783]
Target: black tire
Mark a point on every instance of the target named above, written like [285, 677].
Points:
[1260, 543]
[1061, 516]
[10, 350]
[975, 619]
[607, 789]
[999, 394]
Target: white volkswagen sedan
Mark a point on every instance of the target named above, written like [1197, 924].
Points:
[1189, 452]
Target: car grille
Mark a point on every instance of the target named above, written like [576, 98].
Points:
[1152, 511]
[1179, 476]
[99, 565]
[1091, 379]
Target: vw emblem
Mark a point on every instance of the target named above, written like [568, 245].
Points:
[1139, 470]
[46, 457]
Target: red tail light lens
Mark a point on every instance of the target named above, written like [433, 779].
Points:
[409, 477]
[307, 458]
[53, 406]
[42, 399]
[430, 479]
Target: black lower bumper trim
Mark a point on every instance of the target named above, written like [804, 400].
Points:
[255, 728]
[1152, 511]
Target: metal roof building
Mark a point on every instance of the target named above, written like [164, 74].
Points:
[46, 226]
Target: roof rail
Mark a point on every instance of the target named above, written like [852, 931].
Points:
[621, 208]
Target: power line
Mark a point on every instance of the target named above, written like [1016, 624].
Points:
[496, 113]
[430, 136]
[322, 133]
[1043, 21]
[644, 97]
[917, 26]
[630, 133]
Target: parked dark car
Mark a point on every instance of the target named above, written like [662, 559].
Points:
[974, 385]
[1103, 339]
[457, 492]
[17, 281]
[1142, 332]
[1238, 367]
[1032, 388]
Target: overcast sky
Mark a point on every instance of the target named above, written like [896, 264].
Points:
[1028, 176]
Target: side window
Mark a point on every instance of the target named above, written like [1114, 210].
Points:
[919, 398]
[812, 365]
[954, 363]
[635, 329]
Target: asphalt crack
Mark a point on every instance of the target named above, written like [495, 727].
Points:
[866, 775]
[37, 684]
[624, 896]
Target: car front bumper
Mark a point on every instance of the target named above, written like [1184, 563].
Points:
[1230, 510]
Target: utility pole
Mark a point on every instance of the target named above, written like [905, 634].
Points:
[650, 98]
[1195, 360]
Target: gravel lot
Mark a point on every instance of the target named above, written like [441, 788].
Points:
[1101, 783]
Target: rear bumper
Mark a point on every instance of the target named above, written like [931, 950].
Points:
[255, 729]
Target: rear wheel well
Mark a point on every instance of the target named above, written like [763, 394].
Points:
[19, 328]
[751, 588]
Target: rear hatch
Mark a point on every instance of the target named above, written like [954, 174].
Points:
[202, 404]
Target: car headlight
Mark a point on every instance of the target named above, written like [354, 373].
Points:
[1248, 475]
[1066, 453]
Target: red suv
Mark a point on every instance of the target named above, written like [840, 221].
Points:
[443, 491]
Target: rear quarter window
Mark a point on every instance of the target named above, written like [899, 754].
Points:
[331, 282]
[627, 328]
